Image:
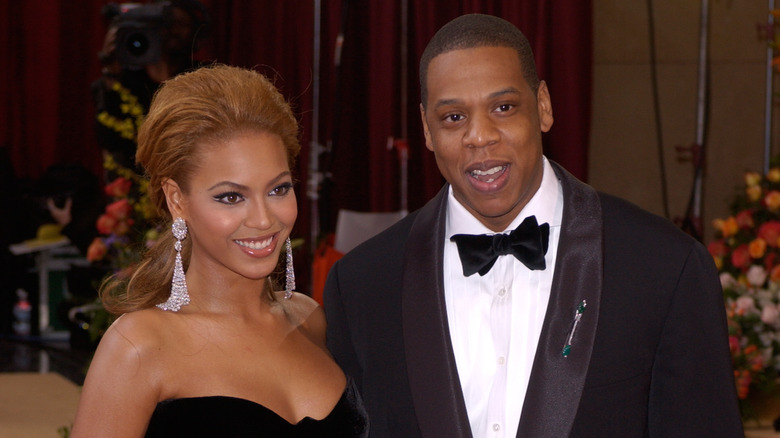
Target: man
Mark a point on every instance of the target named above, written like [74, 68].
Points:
[613, 327]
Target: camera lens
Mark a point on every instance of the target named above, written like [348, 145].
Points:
[137, 44]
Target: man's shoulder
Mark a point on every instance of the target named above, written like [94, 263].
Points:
[625, 220]
[385, 242]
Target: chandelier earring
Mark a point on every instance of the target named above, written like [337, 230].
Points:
[179, 295]
[289, 286]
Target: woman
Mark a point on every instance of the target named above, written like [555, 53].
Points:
[215, 352]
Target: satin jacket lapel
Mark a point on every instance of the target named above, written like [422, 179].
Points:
[557, 382]
[433, 376]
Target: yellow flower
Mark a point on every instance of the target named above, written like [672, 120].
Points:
[752, 178]
[754, 193]
[774, 174]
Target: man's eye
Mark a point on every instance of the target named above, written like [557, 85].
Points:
[505, 107]
[453, 118]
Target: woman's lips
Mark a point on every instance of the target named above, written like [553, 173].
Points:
[255, 244]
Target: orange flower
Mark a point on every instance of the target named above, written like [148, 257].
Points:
[106, 224]
[772, 200]
[97, 250]
[730, 227]
[119, 187]
[727, 227]
[120, 209]
[774, 274]
[757, 248]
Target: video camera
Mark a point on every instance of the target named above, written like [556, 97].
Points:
[139, 37]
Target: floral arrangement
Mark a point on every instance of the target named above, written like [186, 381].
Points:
[126, 127]
[747, 254]
[127, 220]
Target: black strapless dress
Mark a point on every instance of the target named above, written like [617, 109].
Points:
[220, 416]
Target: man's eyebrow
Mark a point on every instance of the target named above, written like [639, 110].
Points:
[508, 90]
[493, 95]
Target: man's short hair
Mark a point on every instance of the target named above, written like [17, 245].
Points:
[478, 30]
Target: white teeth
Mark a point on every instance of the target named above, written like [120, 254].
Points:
[487, 172]
[255, 245]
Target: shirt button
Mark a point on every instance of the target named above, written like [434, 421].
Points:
[496, 427]
[501, 292]
[501, 360]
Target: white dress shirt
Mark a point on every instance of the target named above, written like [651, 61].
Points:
[495, 321]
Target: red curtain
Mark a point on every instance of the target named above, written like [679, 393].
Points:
[370, 97]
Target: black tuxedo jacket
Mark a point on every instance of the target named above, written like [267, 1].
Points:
[649, 357]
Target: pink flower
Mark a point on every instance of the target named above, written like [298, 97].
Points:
[745, 304]
[756, 275]
[727, 280]
[770, 314]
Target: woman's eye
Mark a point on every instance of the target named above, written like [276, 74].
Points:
[229, 198]
[282, 189]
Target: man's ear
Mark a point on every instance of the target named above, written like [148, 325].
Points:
[426, 131]
[544, 106]
[174, 197]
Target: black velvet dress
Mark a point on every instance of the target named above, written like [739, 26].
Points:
[219, 416]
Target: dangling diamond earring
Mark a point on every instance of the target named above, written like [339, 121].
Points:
[179, 296]
[290, 272]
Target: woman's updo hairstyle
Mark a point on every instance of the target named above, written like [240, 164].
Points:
[202, 108]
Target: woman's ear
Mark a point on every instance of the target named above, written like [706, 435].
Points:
[174, 197]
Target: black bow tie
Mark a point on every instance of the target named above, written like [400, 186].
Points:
[528, 243]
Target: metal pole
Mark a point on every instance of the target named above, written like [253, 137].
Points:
[404, 104]
[769, 90]
[314, 146]
[701, 124]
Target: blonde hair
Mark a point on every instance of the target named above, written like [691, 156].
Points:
[203, 107]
